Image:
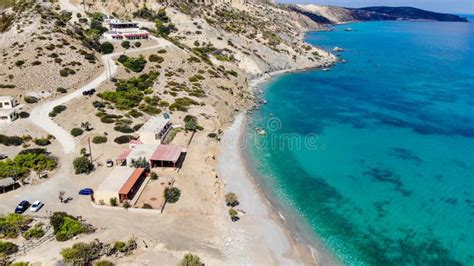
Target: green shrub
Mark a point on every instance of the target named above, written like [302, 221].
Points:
[42, 141]
[104, 263]
[76, 131]
[22, 164]
[66, 72]
[34, 232]
[107, 48]
[99, 139]
[156, 58]
[30, 99]
[124, 129]
[61, 90]
[82, 165]
[81, 253]
[113, 202]
[172, 194]
[162, 51]
[147, 206]
[7, 248]
[10, 140]
[12, 224]
[137, 44]
[191, 260]
[135, 64]
[24, 114]
[123, 139]
[34, 151]
[125, 44]
[19, 63]
[59, 109]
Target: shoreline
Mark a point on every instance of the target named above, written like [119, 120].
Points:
[280, 239]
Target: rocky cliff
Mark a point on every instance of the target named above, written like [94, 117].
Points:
[335, 15]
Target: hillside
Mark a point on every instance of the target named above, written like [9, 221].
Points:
[335, 15]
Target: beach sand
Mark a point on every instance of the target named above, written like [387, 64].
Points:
[260, 236]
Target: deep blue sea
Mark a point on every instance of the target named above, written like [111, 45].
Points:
[376, 156]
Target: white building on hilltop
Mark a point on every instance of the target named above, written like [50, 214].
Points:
[8, 113]
[124, 30]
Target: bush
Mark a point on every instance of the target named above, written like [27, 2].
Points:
[66, 72]
[10, 140]
[12, 224]
[172, 194]
[30, 99]
[22, 164]
[156, 58]
[191, 260]
[81, 253]
[153, 176]
[34, 151]
[135, 64]
[233, 214]
[231, 199]
[76, 131]
[61, 90]
[34, 232]
[42, 141]
[104, 263]
[7, 248]
[123, 139]
[66, 226]
[126, 44]
[124, 129]
[107, 48]
[24, 114]
[113, 202]
[82, 165]
[99, 139]
[137, 44]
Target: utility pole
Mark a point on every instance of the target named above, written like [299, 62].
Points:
[90, 150]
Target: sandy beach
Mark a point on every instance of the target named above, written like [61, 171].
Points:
[260, 236]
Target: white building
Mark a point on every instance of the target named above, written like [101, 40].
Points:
[124, 30]
[122, 184]
[155, 130]
[8, 113]
[7, 102]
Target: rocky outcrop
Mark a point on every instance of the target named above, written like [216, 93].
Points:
[336, 15]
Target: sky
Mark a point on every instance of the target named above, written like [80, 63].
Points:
[443, 6]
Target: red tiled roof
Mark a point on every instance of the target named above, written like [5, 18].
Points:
[131, 181]
[122, 156]
[169, 153]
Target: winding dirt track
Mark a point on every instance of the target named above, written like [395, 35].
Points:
[40, 114]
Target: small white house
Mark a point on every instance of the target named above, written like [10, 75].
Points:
[7, 102]
[155, 130]
[8, 115]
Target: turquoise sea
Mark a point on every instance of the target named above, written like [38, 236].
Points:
[376, 156]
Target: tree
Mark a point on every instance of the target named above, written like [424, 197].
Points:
[81, 253]
[76, 131]
[7, 248]
[233, 214]
[172, 194]
[86, 126]
[107, 48]
[113, 201]
[126, 44]
[231, 199]
[140, 163]
[82, 165]
[191, 260]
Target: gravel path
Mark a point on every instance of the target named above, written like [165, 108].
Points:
[40, 114]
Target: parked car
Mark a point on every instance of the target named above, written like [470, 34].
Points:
[21, 208]
[36, 206]
[86, 191]
[89, 92]
[110, 163]
[3, 156]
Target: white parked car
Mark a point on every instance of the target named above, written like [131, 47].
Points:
[36, 206]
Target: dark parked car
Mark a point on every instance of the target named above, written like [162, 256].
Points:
[22, 207]
[86, 191]
[88, 92]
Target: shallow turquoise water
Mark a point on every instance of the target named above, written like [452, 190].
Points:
[377, 155]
